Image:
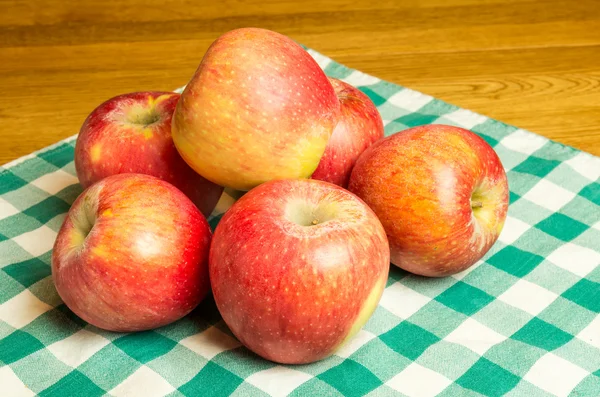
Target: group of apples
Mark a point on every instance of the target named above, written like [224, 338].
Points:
[298, 264]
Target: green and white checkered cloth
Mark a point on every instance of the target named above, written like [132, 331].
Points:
[522, 322]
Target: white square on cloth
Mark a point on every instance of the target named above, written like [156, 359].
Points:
[418, 381]
[555, 375]
[22, 309]
[11, 385]
[278, 381]
[523, 142]
[475, 336]
[548, 195]
[210, 342]
[409, 99]
[143, 383]
[402, 301]
[466, 118]
[77, 348]
[575, 259]
[527, 296]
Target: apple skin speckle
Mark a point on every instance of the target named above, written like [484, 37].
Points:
[116, 138]
[359, 126]
[121, 260]
[330, 275]
[421, 182]
[266, 141]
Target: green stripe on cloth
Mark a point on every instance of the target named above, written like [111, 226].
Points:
[523, 321]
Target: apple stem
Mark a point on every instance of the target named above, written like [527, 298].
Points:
[476, 204]
[314, 222]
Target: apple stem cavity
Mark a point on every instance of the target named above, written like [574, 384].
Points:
[89, 217]
[84, 219]
[143, 117]
[305, 213]
[476, 204]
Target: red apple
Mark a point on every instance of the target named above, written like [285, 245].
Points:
[297, 267]
[132, 254]
[131, 133]
[359, 126]
[258, 108]
[441, 194]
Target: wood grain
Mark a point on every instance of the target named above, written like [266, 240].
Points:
[528, 63]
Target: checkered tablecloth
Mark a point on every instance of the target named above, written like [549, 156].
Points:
[522, 322]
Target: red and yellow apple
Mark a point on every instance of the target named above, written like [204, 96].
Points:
[441, 194]
[297, 267]
[359, 126]
[131, 133]
[258, 108]
[132, 254]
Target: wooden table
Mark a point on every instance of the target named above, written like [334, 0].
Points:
[533, 64]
